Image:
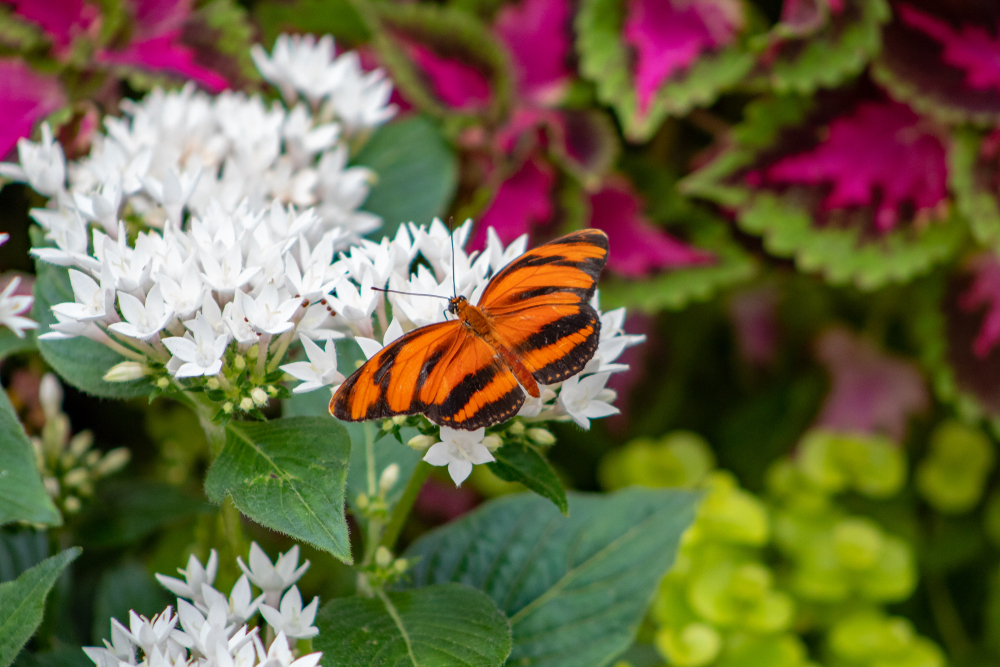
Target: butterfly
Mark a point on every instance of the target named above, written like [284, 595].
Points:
[533, 325]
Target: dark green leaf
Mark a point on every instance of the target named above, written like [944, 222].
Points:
[416, 169]
[11, 344]
[517, 462]
[23, 603]
[127, 587]
[320, 17]
[64, 656]
[289, 475]
[22, 496]
[21, 550]
[448, 625]
[576, 588]
[128, 511]
[79, 361]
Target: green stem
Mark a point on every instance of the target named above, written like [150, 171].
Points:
[405, 504]
[947, 618]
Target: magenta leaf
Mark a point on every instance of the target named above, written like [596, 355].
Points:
[970, 48]
[984, 291]
[537, 34]
[61, 20]
[637, 247]
[523, 201]
[458, 85]
[156, 44]
[880, 156]
[25, 98]
[871, 391]
[669, 35]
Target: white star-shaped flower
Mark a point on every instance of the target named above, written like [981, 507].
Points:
[371, 347]
[202, 354]
[268, 313]
[273, 579]
[195, 576]
[320, 371]
[12, 306]
[142, 320]
[43, 165]
[459, 450]
[291, 618]
[581, 399]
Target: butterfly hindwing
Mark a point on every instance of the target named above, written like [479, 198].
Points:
[443, 370]
[539, 304]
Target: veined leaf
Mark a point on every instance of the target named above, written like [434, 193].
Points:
[575, 588]
[22, 496]
[23, 603]
[289, 475]
[448, 625]
[518, 462]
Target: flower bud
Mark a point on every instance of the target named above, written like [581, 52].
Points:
[389, 478]
[163, 383]
[126, 371]
[401, 565]
[259, 396]
[228, 407]
[383, 557]
[76, 477]
[51, 486]
[362, 501]
[239, 363]
[387, 425]
[80, 443]
[213, 383]
[114, 461]
[492, 442]
[399, 420]
[72, 504]
[516, 427]
[253, 352]
[421, 442]
[541, 437]
[92, 457]
[272, 391]
[246, 404]
[50, 395]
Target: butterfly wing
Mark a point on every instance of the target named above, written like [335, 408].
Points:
[442, 370]
[539, 304]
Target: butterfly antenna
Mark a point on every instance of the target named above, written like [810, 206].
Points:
[454, 285]
[392, 291]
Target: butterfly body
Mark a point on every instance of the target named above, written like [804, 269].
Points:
[533, 325]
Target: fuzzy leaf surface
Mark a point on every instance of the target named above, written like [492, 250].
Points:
[517, 462]
[22, 496]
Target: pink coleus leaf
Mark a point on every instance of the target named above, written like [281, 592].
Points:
[984, 292]
[754, 314]
[25, 98]
[157, 46]
[458, 85]
[669, 35]
[522, 202]
[61, 20]
[970, 48]
[870, 391]
[637, 247]
[881, 156]
[537, 34]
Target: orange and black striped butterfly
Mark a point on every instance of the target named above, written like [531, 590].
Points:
[533, 325]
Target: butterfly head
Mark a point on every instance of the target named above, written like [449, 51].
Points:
[457, 304]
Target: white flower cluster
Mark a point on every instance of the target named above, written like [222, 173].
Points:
[13, 305]
[214, 628]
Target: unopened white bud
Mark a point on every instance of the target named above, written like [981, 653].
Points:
[163, 383]
[362, 501]
[383, 557]
[516, 428]
[114, 461]
[80, 443]
[51, 486]
[126, 371]
[259, 396]
[228, 407]
[246, 404]
[492, 442]
[213, 383]
[76, 477]
[400, 565]
[389, 478]
[421, 442]
[399, 420]
[92, 457]
[541, 436]
[50, 395]
[239, 363]
[72, 504]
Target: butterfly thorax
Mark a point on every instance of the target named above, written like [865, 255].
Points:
[478, 321]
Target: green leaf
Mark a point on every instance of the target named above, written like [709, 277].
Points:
[21, 550]
[416, 169]
[79, 361]
[124, 588]
[11, 344]
[320, 17]
[825, 58]
[22, 496]
[518, 462]
[449, 625]
[971, 184]
[222, 33]
[575, 589]
[23, 603]
[288, 475]
[606, 60]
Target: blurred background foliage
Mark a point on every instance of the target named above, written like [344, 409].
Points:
[802, 201]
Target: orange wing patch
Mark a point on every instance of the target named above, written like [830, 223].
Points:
[535, 314]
